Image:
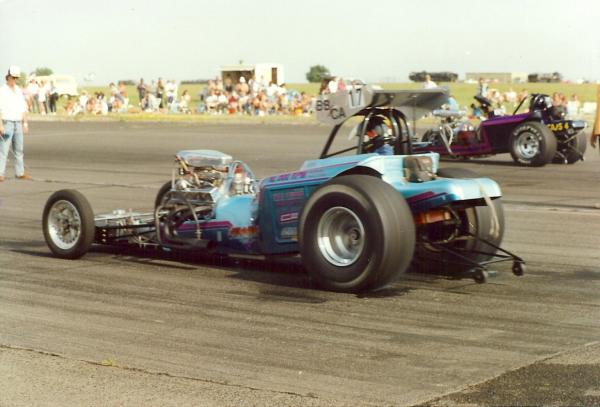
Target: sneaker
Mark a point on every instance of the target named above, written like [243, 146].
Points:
[24, 177]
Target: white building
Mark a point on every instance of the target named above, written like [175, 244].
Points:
[264, 72]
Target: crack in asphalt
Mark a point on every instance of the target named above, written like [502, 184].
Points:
[151, 372]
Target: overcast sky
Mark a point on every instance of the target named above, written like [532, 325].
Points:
[377, 40]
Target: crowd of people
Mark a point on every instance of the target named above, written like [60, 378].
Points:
[252, 97]
[244, 97]
[509, 100]
[239, 96]
[41, 96]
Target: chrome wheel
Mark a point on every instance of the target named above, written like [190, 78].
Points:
[341, 236]
[64, 224]
[527, 145]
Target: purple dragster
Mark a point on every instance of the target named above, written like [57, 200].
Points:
[535, 138]
[357, 217]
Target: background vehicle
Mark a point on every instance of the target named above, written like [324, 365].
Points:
[358, 221]
[435, 76]
[534, 138]
[544, 77]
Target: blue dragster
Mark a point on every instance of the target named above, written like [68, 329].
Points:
[357, 220]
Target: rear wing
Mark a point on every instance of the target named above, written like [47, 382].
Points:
[335, 108]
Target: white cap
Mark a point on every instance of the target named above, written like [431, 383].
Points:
[14, 71]
[242, 80]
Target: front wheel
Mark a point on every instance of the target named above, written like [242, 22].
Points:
[532, 144]
[68, 224]
[572, 150]
[161, 194]
[356, 233]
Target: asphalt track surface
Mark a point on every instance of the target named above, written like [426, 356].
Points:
[145, 328]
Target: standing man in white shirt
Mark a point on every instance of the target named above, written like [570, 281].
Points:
[13, 123]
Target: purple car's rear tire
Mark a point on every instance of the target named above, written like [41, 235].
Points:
[532, 144]
[356, 233]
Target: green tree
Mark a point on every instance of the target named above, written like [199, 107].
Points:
[43, 71]
[316, 73]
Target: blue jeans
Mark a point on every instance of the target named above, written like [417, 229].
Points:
[12, 137]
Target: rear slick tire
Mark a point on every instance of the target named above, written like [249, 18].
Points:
[356, 233]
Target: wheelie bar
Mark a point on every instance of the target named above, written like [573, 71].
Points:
[479, 271]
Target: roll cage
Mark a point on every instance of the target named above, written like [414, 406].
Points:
[398, 106]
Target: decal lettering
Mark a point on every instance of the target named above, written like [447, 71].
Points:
[559, 126]
[337, 113]
[286, 217]
[299, 175]
[322, 105]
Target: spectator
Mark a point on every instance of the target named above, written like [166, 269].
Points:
[232, 102]
[153, 88]
[33, 89]
[184, 102]
[332, 85]
[52, 97]
[559, 108]
[272, 91]
[428, 83]
[160, 92]
[222, 101]
[452, 104]
[13, 124]
[482, 88]
[212, 101]
[153, 103]
[123, 93]
[573, 106]
[42, 97]
[141, 89]
[101, 105]
[511, 97]
[171, 92]
[324, 89]
[228, 85]
[83, 100]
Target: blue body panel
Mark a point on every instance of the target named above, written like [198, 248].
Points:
[268, 222]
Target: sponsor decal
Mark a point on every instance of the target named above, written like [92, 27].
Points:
[287, 217]
[559, 126]
[288, 177]
[290, 195]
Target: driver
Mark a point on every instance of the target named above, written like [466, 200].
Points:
[377, 137]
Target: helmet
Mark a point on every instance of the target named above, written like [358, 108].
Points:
[377, 133]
